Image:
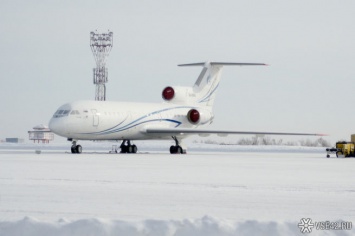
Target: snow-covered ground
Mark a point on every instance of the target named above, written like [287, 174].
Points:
[214, 190]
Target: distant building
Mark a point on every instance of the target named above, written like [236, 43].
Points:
[14, 140]
[41, 133]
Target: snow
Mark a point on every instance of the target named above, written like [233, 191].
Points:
[205, 226]
[159, 146]
[213, 190]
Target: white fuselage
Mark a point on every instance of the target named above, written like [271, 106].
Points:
[184, 110]
[108, 120]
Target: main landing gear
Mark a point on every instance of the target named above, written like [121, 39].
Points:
[128, 148]
[177, 149]
[76, 149]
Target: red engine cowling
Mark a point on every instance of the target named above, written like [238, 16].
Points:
[168, 93]
[178, 95]
[193, 116]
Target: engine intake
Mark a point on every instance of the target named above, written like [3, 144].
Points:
[178, 95]
[193, 116]
[168, 93]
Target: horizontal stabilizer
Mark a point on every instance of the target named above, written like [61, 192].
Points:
[224, 64]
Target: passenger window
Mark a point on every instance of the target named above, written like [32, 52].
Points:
[74, 112]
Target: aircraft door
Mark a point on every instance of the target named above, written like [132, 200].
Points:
[95, 117]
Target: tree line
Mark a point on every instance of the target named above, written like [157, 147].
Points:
[266, 140]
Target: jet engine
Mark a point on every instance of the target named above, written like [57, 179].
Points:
[178, 94]
[193, 116]
[196, 117]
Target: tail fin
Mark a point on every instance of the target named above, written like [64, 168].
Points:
[207, 82]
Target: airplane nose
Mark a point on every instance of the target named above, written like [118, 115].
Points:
[53, 126]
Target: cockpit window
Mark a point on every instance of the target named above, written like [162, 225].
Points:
[61, 113]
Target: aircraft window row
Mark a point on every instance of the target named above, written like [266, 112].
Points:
[62, 113]
[74, 112]
[113, 113]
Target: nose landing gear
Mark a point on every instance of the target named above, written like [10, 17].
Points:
[76, 149]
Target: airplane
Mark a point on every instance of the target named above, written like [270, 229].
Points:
[182, 113]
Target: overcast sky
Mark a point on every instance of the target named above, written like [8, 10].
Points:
[46, 59]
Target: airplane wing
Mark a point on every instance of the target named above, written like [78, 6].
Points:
[203, 132]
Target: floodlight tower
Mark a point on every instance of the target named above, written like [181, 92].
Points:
[101, 45]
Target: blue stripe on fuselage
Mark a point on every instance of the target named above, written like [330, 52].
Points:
[116, 128]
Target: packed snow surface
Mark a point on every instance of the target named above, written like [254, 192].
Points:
[213, 192]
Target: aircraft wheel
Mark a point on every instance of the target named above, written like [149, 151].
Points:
[172, 149]
[129, 149]
[73, 149]
[134, 149]
[176, 150]
[179, 150]
[78, 149]
[124, 149]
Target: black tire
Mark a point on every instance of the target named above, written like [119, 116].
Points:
[134, 149]
[124, 149]
[73, 149]
[173, 150]
[328, 156]
[78, 149]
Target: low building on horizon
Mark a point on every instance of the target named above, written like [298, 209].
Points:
[14, 140]
[41, 133]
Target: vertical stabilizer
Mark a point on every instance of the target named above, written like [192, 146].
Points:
[207, 82]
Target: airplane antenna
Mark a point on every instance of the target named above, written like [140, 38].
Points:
[101, 45]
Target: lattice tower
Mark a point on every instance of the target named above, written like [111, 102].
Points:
[101, 45]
